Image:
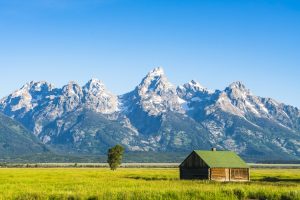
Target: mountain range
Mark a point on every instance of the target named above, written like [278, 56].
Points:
[155, 117]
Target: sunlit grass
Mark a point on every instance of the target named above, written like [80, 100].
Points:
[141, 184]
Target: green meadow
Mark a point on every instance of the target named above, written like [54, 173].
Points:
[139, 184]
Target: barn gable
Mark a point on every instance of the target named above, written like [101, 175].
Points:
[194, 161]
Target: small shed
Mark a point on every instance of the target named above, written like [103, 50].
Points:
[214, 165]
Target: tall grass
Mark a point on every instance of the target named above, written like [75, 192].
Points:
[141, 184]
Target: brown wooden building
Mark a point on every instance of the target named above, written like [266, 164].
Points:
[214, 165]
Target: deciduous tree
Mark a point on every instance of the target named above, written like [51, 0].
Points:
[115, 156]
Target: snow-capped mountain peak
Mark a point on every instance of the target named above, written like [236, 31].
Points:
[244, 101]
[94, 85]
[193, 90]
[156, 82]
[155, 94]
[237, 90]
[27, 97]
[33, 87]
[196, 85]
[41, 86]
[238, 86]
[158, 71]
[71, 87]
[95, 81]
[98, 98]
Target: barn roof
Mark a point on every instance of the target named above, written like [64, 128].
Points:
[222, 159]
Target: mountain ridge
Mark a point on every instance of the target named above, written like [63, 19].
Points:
[156, 116]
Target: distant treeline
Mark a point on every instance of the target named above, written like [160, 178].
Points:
[87, 165]
[129, 157]
[131, 165]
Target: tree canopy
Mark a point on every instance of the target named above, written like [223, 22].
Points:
[115, 156]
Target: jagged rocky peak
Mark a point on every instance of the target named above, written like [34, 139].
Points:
[192, 89]
[94, 84]
[98, 98]
[71, 96]
[41, 86]
[34, 87]
[158, 71]
[94, 87]
[194, 85]
[156, 81]
[155, 94]
[26, 98]
[242, 99]
[237, 90]
[237, 85]
[72, 88]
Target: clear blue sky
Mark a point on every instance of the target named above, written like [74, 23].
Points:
[119, 41]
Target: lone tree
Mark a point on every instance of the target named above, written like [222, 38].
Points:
[114, 157]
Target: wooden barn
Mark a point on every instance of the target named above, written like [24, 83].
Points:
[214, 165]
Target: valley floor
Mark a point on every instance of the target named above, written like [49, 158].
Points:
[133, 183]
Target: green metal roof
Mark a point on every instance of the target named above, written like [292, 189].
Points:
[222, 159]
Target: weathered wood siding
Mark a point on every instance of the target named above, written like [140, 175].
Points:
[228, 174]
[194, 168]
[242, 174]
[219, 174]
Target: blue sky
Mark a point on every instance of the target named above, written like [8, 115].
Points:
[119, 41]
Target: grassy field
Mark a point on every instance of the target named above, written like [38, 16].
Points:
[142, 184]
